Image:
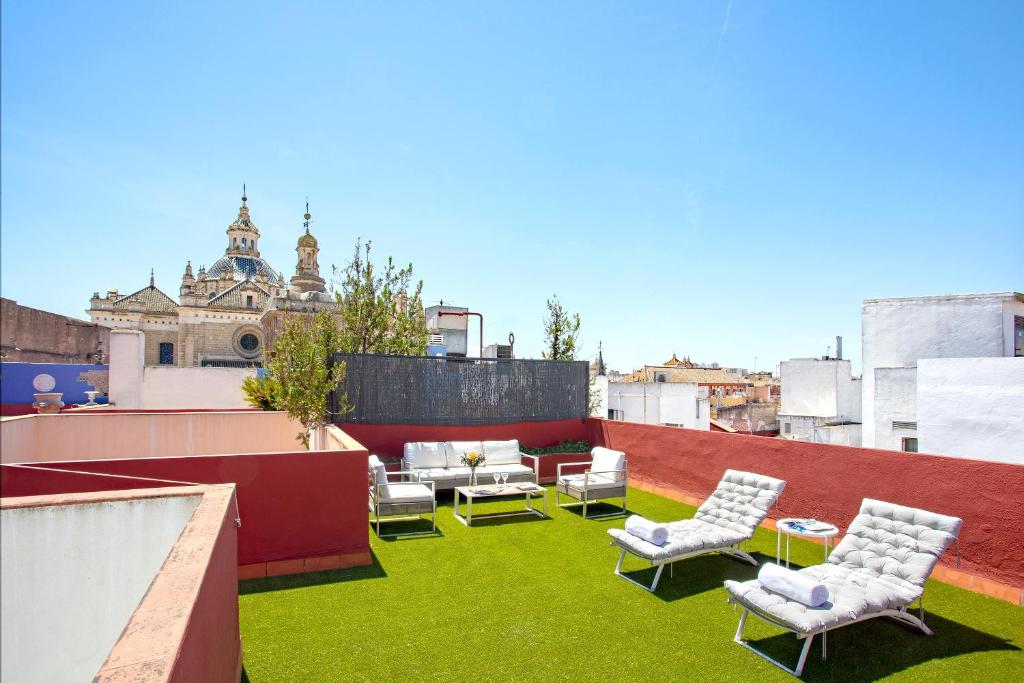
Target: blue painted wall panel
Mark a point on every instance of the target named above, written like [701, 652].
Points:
[16, 381]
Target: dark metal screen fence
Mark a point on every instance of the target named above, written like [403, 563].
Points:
[460, 391]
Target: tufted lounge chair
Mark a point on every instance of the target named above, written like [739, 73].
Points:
[727, 518]
[877, 570]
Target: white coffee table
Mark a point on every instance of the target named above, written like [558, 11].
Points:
[785, 529]
[495, 492]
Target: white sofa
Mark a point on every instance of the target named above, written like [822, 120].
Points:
[440, 462]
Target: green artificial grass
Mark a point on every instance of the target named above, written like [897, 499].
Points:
[524, 598]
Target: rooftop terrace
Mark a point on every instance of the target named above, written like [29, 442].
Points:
[516, 597]
[525, 598]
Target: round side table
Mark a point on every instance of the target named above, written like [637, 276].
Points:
[786, 528]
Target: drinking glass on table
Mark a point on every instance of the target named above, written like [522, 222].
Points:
[504, 478]
[497, 478]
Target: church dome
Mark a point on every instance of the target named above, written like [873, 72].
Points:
[307, 240]
[241, 268]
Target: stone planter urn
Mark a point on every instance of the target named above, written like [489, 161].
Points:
[48, 403]
[92, 397]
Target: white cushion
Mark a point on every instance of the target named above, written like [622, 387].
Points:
[516, 468]
[420, 454]
[378, 470]
[607, 460]
[456, 449]
[485, 474]
[502, 452]
[740, 501]
[406, 493]
[595, 482]
[439, 474]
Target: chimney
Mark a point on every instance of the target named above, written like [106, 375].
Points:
[839, 347]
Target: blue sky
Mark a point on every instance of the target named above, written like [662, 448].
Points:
[722, 180]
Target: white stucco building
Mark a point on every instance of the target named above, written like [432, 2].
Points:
[945, 374]
[821, 401]
[676, 404]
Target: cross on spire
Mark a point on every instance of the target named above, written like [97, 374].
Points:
[306, 216]
[152, 278]
[244, 198]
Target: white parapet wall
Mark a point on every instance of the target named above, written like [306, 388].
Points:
[897, 333]
[168, 388]
[817, 387]
[971, 408]
[683, 404]
[71, 577]
[895, 407]
[134, 386]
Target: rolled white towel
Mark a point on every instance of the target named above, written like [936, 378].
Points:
[646, 529]
[793, 585]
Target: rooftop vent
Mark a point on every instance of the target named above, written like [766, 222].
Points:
[904, 424]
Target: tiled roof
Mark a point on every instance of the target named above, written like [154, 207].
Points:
[698, 375]
[151, 297]
[235, 296]
[240, 268]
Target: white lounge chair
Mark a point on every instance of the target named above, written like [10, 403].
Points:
[606, 478]
[727, 518]
[877, 570]
[400, 500]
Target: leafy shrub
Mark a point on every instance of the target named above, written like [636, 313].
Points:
[564, 447]
[261, 392]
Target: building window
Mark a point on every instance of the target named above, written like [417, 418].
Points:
[787, 428]
[908, 444]
[660, 377]
[248, 301]
[1018, 336]
[614, 414]
[249, 343]
[166, 353]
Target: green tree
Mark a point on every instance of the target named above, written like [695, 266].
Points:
[561, 329]
[378, 313]
[261, 392]
[301, 368]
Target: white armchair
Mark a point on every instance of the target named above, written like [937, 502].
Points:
[400, 500]
[605, 478]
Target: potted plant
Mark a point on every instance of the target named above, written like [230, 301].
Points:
[472, 460]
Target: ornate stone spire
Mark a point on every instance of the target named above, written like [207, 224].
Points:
[307, 270]
[243, 234]
[187, 281]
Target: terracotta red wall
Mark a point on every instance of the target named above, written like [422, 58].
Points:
[292, 505]
[390, 440]
[29, 480]
[14, 409]
[211, 648]
[829, 482]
